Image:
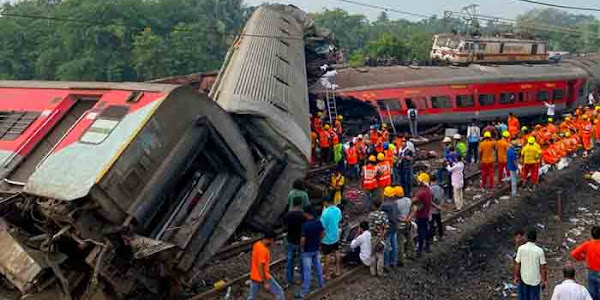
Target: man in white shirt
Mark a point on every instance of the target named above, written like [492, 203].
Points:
[591, 99]
[531, 270]
[569, 289]
[361, 246]
[551, 108]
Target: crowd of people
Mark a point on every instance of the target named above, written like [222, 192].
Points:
[381, 165]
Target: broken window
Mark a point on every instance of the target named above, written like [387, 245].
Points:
[104, 125]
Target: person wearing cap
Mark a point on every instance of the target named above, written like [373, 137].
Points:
[529, 158]
[512, 166]
[473, 136]
[492, 129]
[501, 154]
[260, 275]
[422, 200]
[325, 144]
[390, 208]
[525, 134]
[318, 122]
[500, 126]
[486, 152]
[369, 181]
[406, 245]
[460, 147]
[513, 125]
[447, 146]
[586, 134]
[551, 127]
[384, 174]
[312, 232]
[456, 168]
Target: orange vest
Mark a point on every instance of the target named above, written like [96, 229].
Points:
[373, 136]
[389, 156]
[361, 149]
[386, 135]
[318, 124]
[379, 147]
[552, 128]
[597, 130]
[550, 155]
[338, 126]
[351, 156]
[502, 150]
[513, 126]
[369, 177]
[385, 174]
[334, 137]
[324, 139]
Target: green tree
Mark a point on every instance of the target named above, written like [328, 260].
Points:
[388, 45]
[147, 55]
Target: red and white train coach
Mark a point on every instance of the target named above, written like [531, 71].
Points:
[458, 94]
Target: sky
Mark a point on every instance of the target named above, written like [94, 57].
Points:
[498, 8]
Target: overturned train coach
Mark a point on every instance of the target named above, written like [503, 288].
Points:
[126, 188]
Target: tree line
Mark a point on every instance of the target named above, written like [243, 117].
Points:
[133, 40]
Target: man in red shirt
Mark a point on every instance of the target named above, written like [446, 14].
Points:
[259, 268]
[590, 252]
[422, 202]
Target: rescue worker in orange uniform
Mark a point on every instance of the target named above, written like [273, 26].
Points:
[373, 135]
[361, 148]
[524, 135]
[325, 145]
[566, 124]
[530, 154]
[335, 138]
[550, 155]
[384, 174]
[551, 127]
[596, 131]
[369, 182]
[318, 122]
[486, 153]
[586, 134]
[502, 155]
[513, 125]
[385, 133]
[352, 161]
[338, 125]
[389, 153]
[313, 147]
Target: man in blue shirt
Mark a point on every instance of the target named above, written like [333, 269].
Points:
[312, 232]
[330, 244]
[512, 167]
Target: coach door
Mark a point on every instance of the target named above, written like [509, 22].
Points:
[571, 94]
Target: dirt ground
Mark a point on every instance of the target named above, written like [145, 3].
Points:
[475, 260]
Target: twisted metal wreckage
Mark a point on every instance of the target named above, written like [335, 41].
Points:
[120, 189]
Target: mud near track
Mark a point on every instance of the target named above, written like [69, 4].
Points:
[474, 261]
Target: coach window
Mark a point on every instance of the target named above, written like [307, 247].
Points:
[441, 102]
[507, 98]
[486, 99]
[464, 101]
[482, 46]
[392, 104]
[558, 94]
[104, 124]
[542, 96]
[381, 104]
[409, 103]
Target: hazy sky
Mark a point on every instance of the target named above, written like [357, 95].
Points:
[498, 8]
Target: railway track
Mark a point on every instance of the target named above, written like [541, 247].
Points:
[245, 246]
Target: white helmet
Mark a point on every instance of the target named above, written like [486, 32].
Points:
[360, 136]
[457, 136]
[447, 140]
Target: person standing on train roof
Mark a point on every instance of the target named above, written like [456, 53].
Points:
[486, 152]
[501, 154]
[586, 134]
[412, 115]
[460, 147]
[550, 108]
[529, 157]
[325, 145]
[513, 125]
[473, 136]
[369, 182]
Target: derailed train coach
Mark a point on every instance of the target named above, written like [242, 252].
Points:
[124, 188]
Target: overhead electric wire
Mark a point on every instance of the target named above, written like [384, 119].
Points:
[141, 27]
[387, 9]
[561, 6]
